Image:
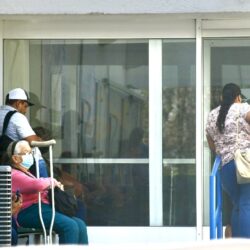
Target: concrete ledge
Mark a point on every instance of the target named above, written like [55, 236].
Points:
[231, 244]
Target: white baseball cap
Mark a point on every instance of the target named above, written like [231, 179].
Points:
[19, 94]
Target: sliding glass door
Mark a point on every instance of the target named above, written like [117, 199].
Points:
[225, 60]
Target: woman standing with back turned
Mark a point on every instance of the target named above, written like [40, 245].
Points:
[221, 131]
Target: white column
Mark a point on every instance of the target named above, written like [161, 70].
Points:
[155, 132]
[199, 132]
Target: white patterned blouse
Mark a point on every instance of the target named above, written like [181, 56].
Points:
[225, 143]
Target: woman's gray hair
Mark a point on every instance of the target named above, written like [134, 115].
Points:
[15, 147]
[19, 146]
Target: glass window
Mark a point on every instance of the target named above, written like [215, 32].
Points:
[179, 199]
[228, 62]
[114, 194]
[92, 97]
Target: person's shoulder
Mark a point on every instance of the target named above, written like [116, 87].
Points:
[6, 108]
[242, 107]
[212, 117]
[14, 172]
[214, 111]
[245, 106]
[19, 116]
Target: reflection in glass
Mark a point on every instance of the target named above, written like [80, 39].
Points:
[229, 64]
[179, 132]
[101, 90]
[92, 97]
[179, 185]
[179, 99]
[95, 93]
[113, 194]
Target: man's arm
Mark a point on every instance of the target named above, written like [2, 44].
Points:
[32, 138]
[23, 128]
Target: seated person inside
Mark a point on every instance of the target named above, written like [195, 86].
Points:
[71, 230]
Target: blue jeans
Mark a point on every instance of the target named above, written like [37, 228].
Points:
[14, 236]
[239, 195]
[43, 172]
[71, 230]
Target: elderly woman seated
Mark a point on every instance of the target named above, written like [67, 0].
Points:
[71, 230]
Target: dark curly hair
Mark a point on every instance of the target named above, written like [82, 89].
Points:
[229, 93]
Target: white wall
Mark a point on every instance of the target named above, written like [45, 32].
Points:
[122, 6]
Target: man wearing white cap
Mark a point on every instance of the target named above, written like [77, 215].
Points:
[19, 127]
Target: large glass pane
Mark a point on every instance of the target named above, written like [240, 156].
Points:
[229, 62]
[179, 200]
[92, 97]
[114, 193]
